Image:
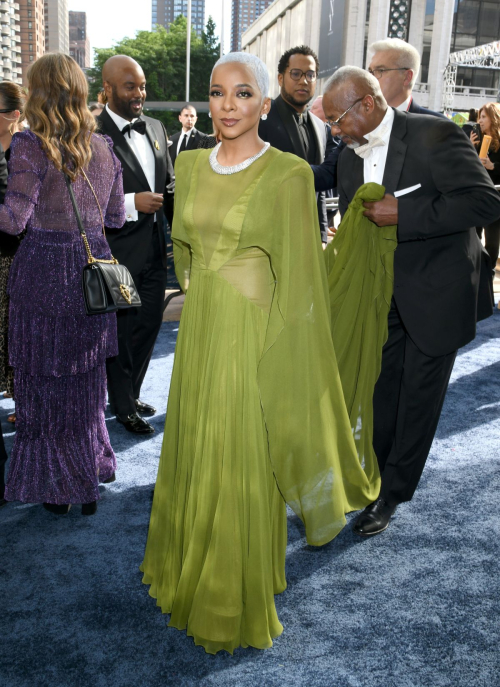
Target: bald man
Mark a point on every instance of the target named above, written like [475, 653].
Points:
[140, 144]
[437, 191]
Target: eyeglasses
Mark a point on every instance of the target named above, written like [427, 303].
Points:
[297, 74]
[4, 111]
[337, 121]
[379, 73]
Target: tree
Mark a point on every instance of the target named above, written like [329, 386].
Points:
[162, 55]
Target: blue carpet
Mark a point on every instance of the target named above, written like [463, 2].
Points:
[417, 606]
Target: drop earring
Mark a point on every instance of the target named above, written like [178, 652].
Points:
[264, 117]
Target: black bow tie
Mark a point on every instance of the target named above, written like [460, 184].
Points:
[139, 125]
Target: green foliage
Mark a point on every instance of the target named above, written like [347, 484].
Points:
[162, 55]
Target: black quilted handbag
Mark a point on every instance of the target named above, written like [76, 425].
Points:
[107, 285]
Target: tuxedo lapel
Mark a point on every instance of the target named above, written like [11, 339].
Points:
[159, 154]
[122, 149]
[290, 127]
[396, 153]
[320, 132]
[191, 142]
[353, 172]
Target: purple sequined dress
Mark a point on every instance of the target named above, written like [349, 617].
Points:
[61, 450]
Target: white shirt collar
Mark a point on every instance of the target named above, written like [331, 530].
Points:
[383, 130]
[119, 121]
[405, 105]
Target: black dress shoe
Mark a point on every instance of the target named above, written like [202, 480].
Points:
[89, 508]
[57, 508]
[134, 423]
[374, 519]
[144, 408]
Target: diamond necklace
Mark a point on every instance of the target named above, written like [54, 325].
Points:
[220, 169]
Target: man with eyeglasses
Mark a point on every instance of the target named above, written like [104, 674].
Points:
[437, 191]
[289, 126]
[396, 65]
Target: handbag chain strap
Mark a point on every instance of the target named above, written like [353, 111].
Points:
[90, 257]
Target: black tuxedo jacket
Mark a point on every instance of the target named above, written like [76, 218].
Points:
[130, 244]
[415, 108]
[195, 137]
[282, 133]
[437, 261]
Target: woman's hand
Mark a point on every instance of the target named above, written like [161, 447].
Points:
[474, 138]
[487, 163]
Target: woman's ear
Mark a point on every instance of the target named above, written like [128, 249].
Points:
[266, 106]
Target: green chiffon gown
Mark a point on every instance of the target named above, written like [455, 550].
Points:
[256, 416]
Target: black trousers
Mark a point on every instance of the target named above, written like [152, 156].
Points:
[137, 332]
[407, 403]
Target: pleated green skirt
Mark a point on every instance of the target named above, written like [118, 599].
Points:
[215, 554]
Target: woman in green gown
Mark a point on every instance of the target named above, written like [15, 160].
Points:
[256, 416]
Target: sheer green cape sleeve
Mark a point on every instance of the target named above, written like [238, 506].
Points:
[311, 442]
[180, 239]
[360, 266]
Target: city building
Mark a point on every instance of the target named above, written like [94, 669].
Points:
[164, 12]
[244, 13]
[79, 43]
[32, 33]
[56, 26]
[341, 30]
[10, 31]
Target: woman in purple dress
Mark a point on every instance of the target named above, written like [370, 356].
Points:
[61, 451]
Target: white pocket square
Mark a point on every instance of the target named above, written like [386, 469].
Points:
[404, 191]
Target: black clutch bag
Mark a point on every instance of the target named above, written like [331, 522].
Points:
[107, 285]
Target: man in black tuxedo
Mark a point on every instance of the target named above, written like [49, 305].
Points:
[188, 138]
[436, 265]
[140, 143]
[289, 126]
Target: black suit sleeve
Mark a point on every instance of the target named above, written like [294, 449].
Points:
[168, 198]
[465, 196]
[325, 175]
[3, 174]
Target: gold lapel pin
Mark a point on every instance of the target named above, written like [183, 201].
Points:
[157, 145]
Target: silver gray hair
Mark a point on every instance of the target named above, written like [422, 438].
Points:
[254, 63]
[407, 55]
[356, 75]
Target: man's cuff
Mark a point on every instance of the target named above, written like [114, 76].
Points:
[130, 209]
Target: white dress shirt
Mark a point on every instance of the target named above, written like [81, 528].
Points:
[405, 104]
[139, 145]
[374, 162]
[182, 137]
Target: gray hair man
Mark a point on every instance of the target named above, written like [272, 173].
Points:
[396, 65]
[436, 265]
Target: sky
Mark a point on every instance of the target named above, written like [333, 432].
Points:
[108, 21]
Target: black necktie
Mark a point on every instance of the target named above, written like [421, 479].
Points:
[303, 132]
[184, 143]
[139, 125]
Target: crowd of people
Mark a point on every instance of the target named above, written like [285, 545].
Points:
[306, 373]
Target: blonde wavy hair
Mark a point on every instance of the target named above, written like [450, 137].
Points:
[57, 112]
[492, 111]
